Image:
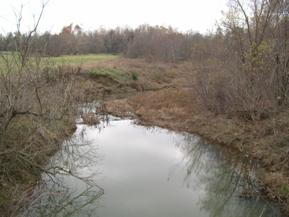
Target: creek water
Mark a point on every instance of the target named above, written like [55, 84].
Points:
[121, 169]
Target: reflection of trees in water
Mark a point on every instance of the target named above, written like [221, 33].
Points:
[67, 187]
[56, 199]
[226, 181]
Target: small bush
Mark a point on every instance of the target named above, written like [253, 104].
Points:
[134, 76]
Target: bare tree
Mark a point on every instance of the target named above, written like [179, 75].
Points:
[35, 100]
[253, 78]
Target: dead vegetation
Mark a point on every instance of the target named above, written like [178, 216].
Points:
[36, 114]
[261, 139]
[231, 90]
[247, 76]
[90, 118]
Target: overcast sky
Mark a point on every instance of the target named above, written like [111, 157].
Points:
[196, 15]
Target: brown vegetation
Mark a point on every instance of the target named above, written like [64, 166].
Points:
[264, 140]
[250, 75]
[150, 42]
[36, 114]
[231, 87]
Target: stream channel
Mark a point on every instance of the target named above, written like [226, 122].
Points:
[121, 169]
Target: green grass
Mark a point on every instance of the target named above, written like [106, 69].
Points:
[115, 73]
[81, 59]
[61, 60]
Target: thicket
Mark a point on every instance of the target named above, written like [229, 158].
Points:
[246, 72]
[36, 112]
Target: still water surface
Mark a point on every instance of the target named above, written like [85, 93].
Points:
[121, 169]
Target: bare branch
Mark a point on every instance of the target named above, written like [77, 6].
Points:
[247, 21]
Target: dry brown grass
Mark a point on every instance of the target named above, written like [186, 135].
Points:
[265, 140]
[162, 97]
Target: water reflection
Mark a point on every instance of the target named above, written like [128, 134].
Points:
[66, 189]
[232, 189]
[145, 172]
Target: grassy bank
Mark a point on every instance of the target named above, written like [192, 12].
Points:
[27, 144]
[157, 94]
[247, 140]
[43, 116]
[264, 140]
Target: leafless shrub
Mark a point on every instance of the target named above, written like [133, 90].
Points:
[35, 114]
[159, 44]
[252, 70]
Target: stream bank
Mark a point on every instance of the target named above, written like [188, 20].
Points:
[120, 168]
[264, 141]
[161, 97]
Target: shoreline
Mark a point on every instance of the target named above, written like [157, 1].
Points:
[167, 103]
[234, 141]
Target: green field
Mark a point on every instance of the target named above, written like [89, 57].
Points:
[117, 74]
[56, 61]
[81, 59]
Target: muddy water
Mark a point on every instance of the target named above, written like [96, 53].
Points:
[124, 170]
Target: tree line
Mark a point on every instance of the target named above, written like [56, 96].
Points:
[149, 42]
[243, 64]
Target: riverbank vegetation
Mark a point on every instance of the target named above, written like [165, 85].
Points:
[230, 86]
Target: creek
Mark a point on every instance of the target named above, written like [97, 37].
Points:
[121, 169]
